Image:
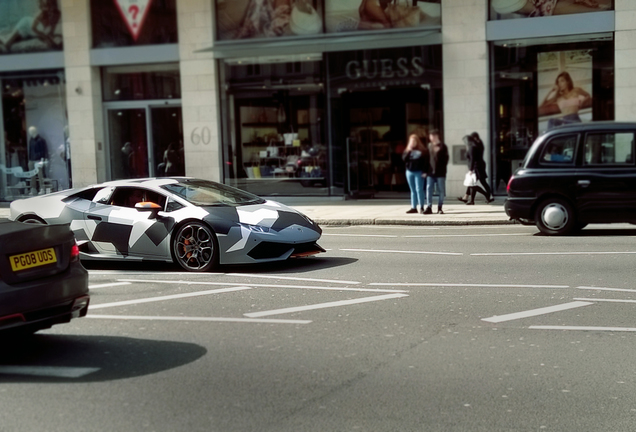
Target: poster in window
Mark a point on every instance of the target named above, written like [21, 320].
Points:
[30, 26]
[564, 88]
[507, 9]
[250, 19]
[354, 15]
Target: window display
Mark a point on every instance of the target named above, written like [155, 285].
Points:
[30, 26]
[539, 87]
[35, 156]
[507, 9]
[117, 23]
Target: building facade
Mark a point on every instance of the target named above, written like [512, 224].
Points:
[297, 97]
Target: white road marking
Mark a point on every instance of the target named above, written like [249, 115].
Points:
[211, 319]
[48, 371]
[536, 312]
[292, 278]
[470, 285]
[584, 328]
[606, 289]
[606, 300]
[309, 287]
[551, 253]
[465, 235]
[108, 285]
[145, 272]
[324, 305]
[168, 297]
[360, 235]
[401, 252]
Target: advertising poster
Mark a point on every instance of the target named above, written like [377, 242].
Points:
[354, 15]
[507, 9]
[30, 26]
[564, 88]
[248, 19]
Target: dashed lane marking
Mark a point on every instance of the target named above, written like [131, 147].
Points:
[108, 285]
[606, 300]
[549, 253]
[606, 289]
[402, 252]
[168, 297]
[466, 235]
[48, 371]
[210, 319]
[536, 312]
[583, 328]
[324, 305]
[292, 278]
[460, 285]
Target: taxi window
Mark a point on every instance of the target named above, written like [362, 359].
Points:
[609, 149]
[559, 151]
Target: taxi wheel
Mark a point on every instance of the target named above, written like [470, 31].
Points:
[195, 247]
[555, 216]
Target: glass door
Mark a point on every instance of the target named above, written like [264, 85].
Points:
[167, 141]
[128, 143]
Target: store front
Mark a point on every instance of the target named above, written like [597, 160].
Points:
[538, 84]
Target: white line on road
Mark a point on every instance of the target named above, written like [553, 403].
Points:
[359, 235]
[606, 289]
[211, 319]
[583, 328]
[292, 278]
[145, 272]
[551, 253]
[536, 312]
[469, 285]
[465, 235]
[606, 300]
[324, 305]
[261, 285]
[108, 285]
[48, 371]
[168, 297]
[401, 252]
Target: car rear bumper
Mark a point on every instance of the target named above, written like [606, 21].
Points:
[43, 302]
[519, 208]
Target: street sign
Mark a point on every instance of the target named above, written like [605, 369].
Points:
[134, 14]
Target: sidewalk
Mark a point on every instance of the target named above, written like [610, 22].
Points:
[338, 211]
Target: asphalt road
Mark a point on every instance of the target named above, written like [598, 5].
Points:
[392, 329]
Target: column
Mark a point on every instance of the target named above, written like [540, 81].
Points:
[83, 96]
[466, 86]
[625, 60]
[201, 131]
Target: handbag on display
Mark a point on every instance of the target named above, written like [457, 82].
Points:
[402, 14]
[470, 179]
[304, 19]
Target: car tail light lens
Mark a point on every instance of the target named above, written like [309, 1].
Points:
[509, 183]
[75, 252]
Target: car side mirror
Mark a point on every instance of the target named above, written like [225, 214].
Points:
[148, 206]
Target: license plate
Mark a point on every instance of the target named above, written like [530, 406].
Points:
[33, 259]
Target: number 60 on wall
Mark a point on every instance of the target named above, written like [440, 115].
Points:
[204, 136]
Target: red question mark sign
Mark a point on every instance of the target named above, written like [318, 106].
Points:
[134, 10]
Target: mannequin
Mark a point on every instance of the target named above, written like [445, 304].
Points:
[38, 152]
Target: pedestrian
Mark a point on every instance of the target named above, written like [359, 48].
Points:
[416, 162]
[476, 165]
[438, 152]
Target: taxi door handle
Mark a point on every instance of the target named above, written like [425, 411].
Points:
[584, 183]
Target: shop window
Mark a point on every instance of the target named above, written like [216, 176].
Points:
[510, 9]
[30, 26]
[144, 22]
[34, 149]
[141, 82]
[538, 87]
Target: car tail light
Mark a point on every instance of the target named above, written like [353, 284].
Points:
[75, 252]
[509, 183]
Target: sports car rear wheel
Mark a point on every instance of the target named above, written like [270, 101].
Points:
[194, 247]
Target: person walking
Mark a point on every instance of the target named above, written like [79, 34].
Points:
[416, 161]
[438, 152]
[476, 165]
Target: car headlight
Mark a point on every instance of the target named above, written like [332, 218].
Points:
[255, 228]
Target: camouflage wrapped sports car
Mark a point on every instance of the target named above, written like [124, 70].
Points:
[196, 223]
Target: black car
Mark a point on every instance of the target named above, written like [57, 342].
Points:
[575, 175]
[42, 281]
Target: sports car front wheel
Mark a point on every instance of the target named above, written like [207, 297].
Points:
[195, 247]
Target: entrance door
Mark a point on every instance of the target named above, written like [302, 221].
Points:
[144, 140]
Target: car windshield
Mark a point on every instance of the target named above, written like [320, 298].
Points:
[208, 193]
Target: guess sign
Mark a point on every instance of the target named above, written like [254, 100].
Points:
[134, 13]
[385, 68]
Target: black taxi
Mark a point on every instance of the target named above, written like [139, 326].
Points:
[574, 175]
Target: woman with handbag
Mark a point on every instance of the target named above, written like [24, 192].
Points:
[476, 167]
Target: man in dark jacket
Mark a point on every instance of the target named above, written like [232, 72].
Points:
[438, 152]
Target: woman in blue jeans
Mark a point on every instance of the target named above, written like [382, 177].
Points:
[416, 160]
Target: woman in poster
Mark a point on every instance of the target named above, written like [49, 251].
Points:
[536, 8]
[41, 27]
[567, 98]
